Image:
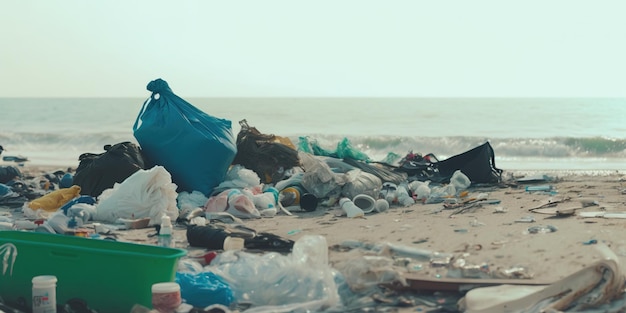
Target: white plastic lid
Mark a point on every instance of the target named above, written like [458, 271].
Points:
[165, 287]
[44, 280]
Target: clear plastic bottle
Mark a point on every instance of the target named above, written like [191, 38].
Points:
[165, 233]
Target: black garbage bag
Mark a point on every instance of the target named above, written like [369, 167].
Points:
[267, 155]
[8, 173]
[478, 164]
[98, 172]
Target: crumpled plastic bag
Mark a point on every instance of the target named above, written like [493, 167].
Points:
[55, 199]
[204, 288]
[188, 201]
[344, 150]
[302, 281]
[234, 201]
[360, 182]
[318, 178]
[146, 193]
[238, 177]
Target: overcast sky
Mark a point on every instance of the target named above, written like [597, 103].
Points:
[335, 48]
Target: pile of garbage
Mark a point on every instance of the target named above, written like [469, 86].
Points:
[255, 175]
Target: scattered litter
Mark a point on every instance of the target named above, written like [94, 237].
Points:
[499, 209]
[535, 179]
[526, 219]
[539, 188]
[603, 214]
[476, 223]
[541, 229]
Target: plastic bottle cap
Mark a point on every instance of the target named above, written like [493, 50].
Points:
[44, 280]
[165, 287]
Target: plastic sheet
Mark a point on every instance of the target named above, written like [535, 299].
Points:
[302, 281]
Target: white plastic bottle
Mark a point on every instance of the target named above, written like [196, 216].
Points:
[44, 294]
[165, 233]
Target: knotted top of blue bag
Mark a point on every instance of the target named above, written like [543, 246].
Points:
[158, 86]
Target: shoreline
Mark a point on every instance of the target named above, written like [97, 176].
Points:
[29, 166]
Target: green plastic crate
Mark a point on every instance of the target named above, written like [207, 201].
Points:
[109, 276]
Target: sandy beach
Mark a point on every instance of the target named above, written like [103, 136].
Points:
[541, 237]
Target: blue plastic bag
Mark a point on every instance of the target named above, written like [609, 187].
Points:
[194, 147]
[204, 289]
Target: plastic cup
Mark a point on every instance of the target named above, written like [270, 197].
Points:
[364, 202]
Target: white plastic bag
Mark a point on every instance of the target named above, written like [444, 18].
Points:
[360, 182]
[146, 193]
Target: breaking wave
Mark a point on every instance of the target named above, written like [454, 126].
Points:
[571, 153]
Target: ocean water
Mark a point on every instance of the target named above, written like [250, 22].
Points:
[526, 133]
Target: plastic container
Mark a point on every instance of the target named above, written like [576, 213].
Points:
[109, 276]
[165, 233]
[166, 297]
[44, 296]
